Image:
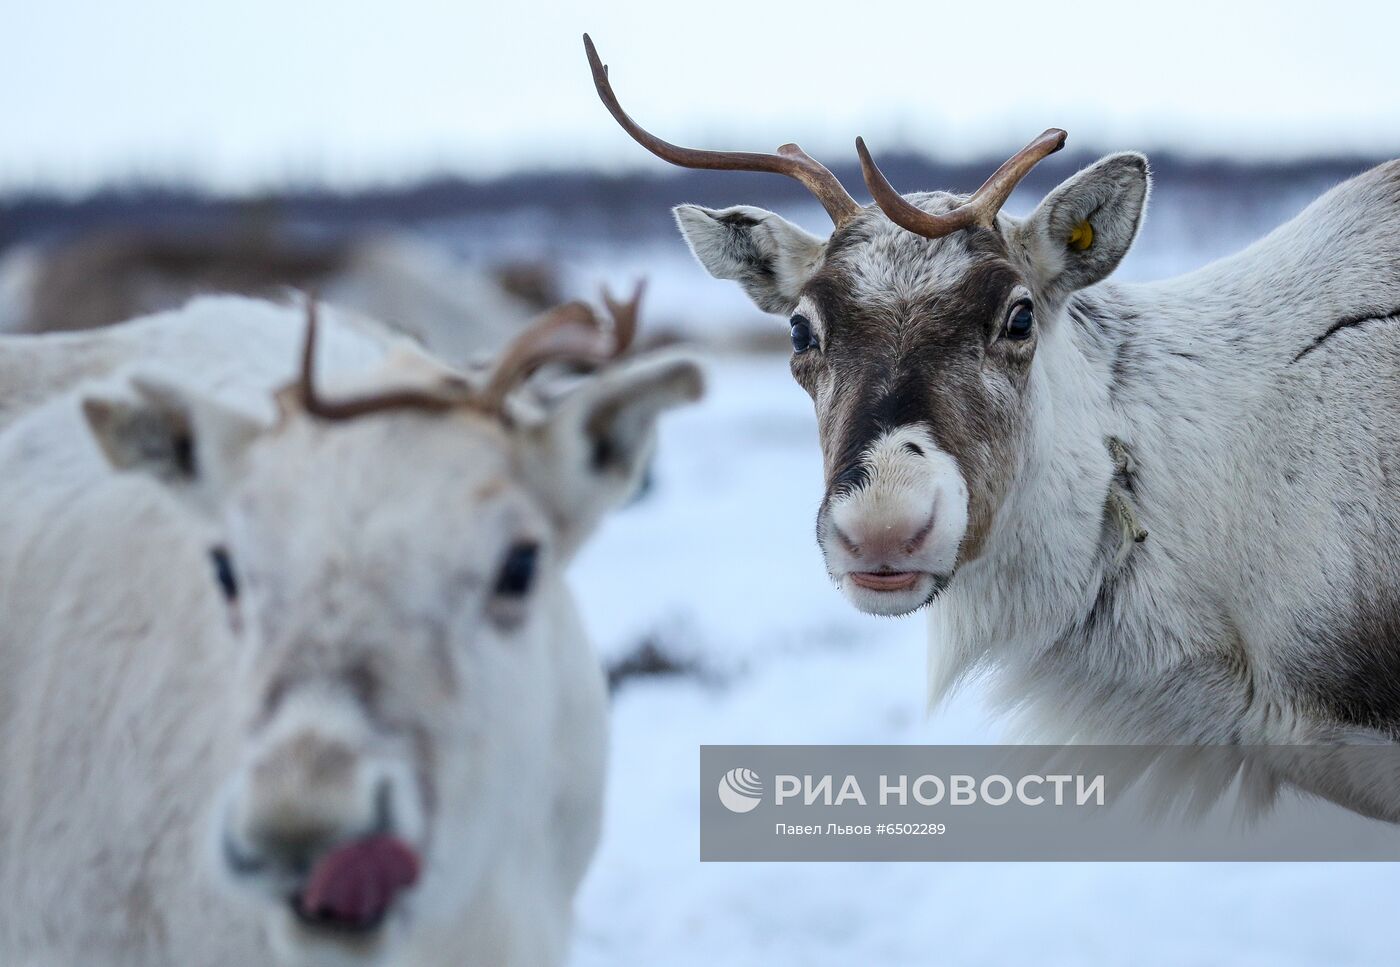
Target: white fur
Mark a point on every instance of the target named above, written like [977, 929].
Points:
[1265, 477]
[1261, 487]
[145, 723]
[733, 243]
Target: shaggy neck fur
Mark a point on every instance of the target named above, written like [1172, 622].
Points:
[1046, 597]
[1242, 390]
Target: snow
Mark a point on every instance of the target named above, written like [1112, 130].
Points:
[718, 563]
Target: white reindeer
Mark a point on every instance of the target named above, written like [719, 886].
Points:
[456, 310]
[999, 423]
[196, 337]
[302, 684]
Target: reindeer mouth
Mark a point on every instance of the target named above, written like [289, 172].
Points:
[892, 593]
[885, 580]
[353, 888]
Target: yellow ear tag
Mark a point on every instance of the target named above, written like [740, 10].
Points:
[1082, 237]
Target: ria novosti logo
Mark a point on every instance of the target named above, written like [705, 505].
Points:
[740, 790]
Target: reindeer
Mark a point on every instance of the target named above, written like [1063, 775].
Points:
[304, 685]
[1003, 427]
[458, 312]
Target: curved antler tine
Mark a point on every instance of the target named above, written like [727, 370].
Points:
[904, 214]
[998, 188]
[625, 317]
[789, 160]
[980, 209]
[567, 332]
[351, 407]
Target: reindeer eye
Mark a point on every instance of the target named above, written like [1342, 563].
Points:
[223, 572]
[1021, 321]
[518, 570]
[802, 338]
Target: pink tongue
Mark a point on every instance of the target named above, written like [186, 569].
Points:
[356, 884]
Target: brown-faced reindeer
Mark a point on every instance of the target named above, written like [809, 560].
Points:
[973, 376]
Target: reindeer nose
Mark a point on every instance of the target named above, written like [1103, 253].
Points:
[883, 542]
[301, 796]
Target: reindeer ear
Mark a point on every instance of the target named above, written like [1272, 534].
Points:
[592, 452]
[1083, 228]
[767, 255]
[190, 442]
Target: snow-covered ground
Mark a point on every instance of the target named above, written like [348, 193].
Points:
[718, 564]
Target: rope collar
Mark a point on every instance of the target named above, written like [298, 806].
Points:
[1118, 502]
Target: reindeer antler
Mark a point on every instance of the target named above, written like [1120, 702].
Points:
[566, 333]
[980, 209]
[351, 407]
[789, 160]
[625, 316]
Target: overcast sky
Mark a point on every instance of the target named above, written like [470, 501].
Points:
[256, 93]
